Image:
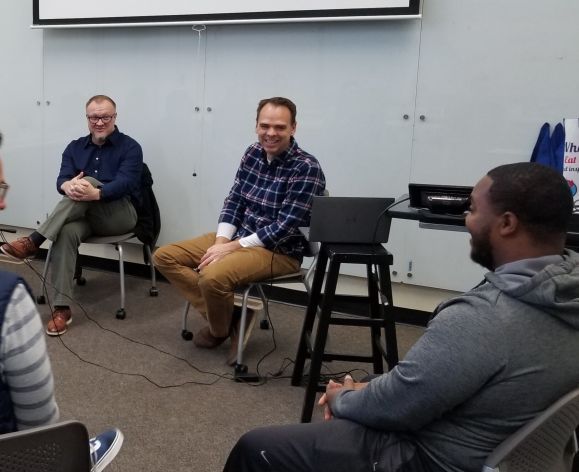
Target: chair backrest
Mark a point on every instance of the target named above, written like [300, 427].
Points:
[61, 447]
[546, 443]
[313, 248]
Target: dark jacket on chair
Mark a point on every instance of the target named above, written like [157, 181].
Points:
[149, 218]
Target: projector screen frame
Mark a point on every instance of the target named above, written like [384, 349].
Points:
[353, 14]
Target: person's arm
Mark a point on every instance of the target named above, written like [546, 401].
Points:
[231, 216]
[68, 170]
[446, 367]
[25, 363]
[234, 204]
[128, 175]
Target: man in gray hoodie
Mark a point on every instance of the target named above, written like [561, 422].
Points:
[489, 361]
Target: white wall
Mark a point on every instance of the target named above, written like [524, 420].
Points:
[485, 75]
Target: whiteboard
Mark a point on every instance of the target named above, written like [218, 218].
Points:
[74, 13]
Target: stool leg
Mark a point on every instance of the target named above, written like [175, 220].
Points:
[309, 319]
[388, 313]
[317, 355]
[372, 280]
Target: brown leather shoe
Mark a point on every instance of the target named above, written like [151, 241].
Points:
[22, 248]
[58, 324]
[206, 340]
[249, 324]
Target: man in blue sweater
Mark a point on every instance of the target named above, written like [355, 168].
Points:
[489, 361]
[99, 179]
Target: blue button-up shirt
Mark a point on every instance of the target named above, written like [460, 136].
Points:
[117, 164]
[274, 199]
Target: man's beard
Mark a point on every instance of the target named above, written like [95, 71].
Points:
[481, 250]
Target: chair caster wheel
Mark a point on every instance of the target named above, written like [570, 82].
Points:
[154, 292]
[187, 335]
[81, 281]
[240, 368]
[121, 314]
[264, 324]
[240, 374]
[40, 299]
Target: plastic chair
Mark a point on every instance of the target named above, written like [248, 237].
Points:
[61, 447]
[304, 276]
[546, 443]
[117, 242]
[146, 231]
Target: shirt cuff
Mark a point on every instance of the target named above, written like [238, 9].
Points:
[251, 241]
[225, 230]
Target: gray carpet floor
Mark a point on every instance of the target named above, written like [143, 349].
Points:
[176, 404]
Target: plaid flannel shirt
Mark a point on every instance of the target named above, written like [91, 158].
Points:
[274, 199]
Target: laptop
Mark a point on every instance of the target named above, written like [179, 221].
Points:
[353, 220]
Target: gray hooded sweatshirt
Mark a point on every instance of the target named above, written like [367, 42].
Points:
[488, 362]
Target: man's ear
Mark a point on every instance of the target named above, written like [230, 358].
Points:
[508, 224]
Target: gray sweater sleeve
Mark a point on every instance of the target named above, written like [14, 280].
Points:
[24, 363]
[447, 365]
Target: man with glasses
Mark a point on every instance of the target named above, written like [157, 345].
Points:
[100, 180]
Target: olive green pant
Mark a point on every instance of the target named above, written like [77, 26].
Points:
[72, 222]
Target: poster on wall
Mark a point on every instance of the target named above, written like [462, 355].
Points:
[75, 13]
[570, 158]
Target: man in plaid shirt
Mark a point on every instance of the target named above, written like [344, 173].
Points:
[257, 236]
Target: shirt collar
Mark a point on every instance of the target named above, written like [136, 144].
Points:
[112, 138]
[286, 155]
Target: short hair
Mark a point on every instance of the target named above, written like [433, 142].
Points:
[101, 98]
[539, 196]
[278, 102]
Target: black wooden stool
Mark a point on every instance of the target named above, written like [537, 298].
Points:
[380, 315]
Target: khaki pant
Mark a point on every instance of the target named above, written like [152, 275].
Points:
[211, 291]
[72, 222]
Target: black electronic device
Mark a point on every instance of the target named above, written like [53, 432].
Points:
[440, 199]
[353, 220]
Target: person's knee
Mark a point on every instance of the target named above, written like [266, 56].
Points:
[69, 235]
[211, 283]
[91, 180]
[163, 257]
[248, 450]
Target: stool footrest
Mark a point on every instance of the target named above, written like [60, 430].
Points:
[363, 321]
[334, 356]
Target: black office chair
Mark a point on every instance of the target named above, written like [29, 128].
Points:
[545, 444]
[61, 447]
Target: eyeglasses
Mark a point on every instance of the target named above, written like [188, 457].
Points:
[3, 190]
[105, 119]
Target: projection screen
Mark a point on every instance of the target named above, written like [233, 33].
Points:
[79, 13]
